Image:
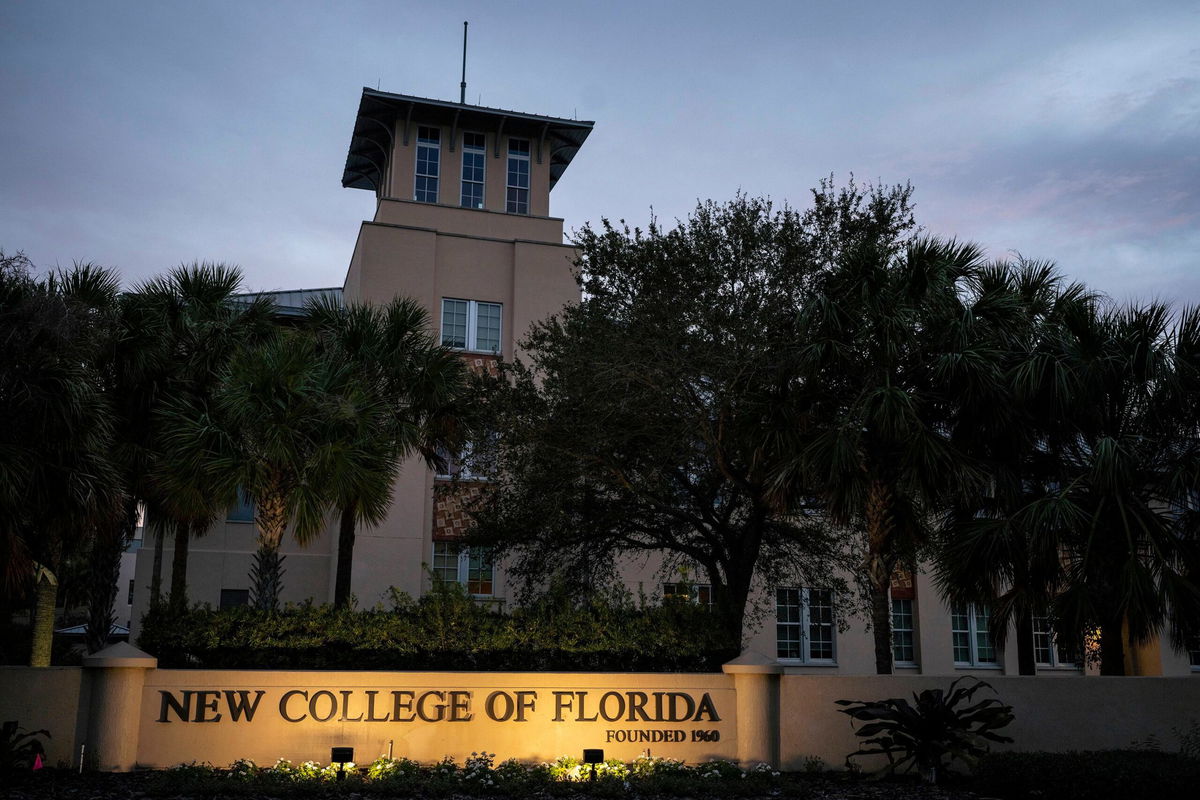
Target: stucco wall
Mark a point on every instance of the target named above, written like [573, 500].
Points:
[1093, 714]
[47, 698]
[165, 739]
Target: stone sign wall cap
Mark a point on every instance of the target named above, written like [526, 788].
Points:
[752, 662]
[121, 654]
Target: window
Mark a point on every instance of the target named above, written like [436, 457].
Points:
[428, 162]
[518, 176]
[469, 566]
[700, 593]
[129, 600]
[469, 465]
[804, 625]
[904, 640]
[471, 325]
[1048, 651]
[232, 598]
[970, 629]
[1194, 652]
[243, 511]
[473, 160]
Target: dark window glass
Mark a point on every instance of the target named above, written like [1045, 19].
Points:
[232, 598]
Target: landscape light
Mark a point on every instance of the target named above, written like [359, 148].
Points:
[593, 756]
[341, 756]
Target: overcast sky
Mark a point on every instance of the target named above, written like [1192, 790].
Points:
[141, 135]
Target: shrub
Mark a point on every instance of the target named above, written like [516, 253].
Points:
[1089, 775]
[19, 747]
[443, 630]
[934, 732]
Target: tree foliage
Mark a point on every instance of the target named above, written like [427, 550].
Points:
[654, 416]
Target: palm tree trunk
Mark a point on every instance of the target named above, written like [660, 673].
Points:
[179, 559]
[109, 541]
[881, 626]
[266, 577]
[46, 597]
[156, 574]
[345, 562]
[880, 565]
[266, 574]
[1112, 648]
[1026, 659]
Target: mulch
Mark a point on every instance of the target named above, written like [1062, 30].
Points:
[52, 784]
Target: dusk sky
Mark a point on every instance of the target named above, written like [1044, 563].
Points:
[141, 135]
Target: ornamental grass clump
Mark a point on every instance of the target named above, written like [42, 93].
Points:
[932, 734]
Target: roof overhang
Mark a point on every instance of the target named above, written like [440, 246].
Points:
[379, 112]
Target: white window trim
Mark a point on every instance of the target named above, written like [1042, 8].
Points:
[1055, 662]
[472, 325]
[804, 625]
[464, 567]
[973, 643]
[417, 164]
[456, 466]
[462, 181]
[699, 593]
[916, 661]
[527, 189]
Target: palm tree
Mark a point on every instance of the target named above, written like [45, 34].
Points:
[1131, 480]
[57, 480]
[1002, 548]
[282, 424]
[898, 343]
[201, 322]
[392, 355]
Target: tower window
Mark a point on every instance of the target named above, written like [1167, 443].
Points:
[473, 160]
[518, 176]
[428, 163]
[471, 325]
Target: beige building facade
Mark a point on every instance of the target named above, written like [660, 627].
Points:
[462, 224]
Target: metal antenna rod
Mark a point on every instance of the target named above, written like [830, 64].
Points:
[462, 87]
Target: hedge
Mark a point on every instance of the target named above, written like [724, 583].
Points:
[445, 630]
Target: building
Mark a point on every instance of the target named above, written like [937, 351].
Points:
[462, 224]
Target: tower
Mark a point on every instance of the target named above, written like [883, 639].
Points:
[462, 225]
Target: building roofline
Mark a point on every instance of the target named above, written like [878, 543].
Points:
[553, 138]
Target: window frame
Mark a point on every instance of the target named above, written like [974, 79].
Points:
[805, 625]
[520, 205]
[473, 151]
[1059, 656]
[463, 558]
[911, 630]
[699, 593]
[427, 144]
[972, 630]
[471, 337]
[457, 464]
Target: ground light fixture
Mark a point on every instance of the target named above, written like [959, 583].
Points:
[341, 756]
[593, 756]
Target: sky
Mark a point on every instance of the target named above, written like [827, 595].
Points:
[141, 135]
